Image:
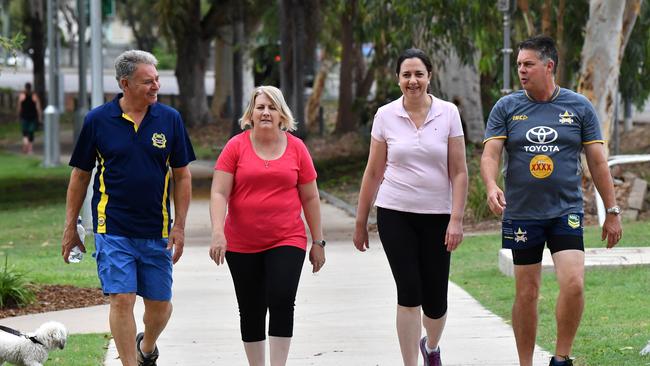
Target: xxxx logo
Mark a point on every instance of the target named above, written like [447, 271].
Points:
[541, 166]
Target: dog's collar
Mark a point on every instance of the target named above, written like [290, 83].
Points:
[19, 334]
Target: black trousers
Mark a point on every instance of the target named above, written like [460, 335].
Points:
[418, 258]
[264, 281]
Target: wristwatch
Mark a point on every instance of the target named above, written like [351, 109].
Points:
[319, 242]
[614, 210]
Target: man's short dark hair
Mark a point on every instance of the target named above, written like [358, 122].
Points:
[414, 53]
[545, 47]
[28, 86]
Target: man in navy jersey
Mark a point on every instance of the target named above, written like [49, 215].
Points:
[544, 128]
[139, 147]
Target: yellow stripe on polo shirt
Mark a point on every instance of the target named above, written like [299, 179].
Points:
[128, 118]
[594, 142]
[103, 198]
[165, 213]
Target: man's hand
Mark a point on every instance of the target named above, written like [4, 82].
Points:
[496, 200]
[69, 241]
[177, 242]
[612, 230]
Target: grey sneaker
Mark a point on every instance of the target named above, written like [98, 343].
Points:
[142, 360]
[430, 359]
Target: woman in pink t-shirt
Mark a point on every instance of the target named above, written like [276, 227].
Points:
[417, 170]
[265, 177]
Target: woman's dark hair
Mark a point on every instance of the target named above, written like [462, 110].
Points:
[414, 53]
[28, 86]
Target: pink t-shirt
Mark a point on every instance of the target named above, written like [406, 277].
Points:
[416, 177]
[264, 205]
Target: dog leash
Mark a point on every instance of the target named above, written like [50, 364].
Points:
[19, 334]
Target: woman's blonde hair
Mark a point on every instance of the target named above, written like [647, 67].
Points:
[287, 123]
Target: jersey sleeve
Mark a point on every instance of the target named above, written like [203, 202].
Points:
[227, 160]
[590, 125]
[307, 172]
[182, 153]
[377, 131]
[455, 126]
[496, 124]
[84, 154]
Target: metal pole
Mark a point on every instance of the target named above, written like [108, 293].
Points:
[5, 28]
[507, 50]
[50, 153]
[96, 66]
[82, 96]
[506, 6]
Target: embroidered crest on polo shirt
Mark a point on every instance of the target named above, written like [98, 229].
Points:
[566, 117]
[159, 140]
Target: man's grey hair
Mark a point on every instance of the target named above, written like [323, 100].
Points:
[127, 62]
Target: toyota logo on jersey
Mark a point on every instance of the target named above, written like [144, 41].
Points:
[541, 135]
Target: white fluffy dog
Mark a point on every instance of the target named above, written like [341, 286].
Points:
[31, 349]
[646, 350]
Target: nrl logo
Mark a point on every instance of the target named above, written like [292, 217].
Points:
[566, 117]
[159, 140]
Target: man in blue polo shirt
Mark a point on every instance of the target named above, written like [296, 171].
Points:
[133, 141]
[544, 128]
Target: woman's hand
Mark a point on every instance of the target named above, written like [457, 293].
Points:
[360, 238]
[454, 235]
[218, 248]
[317, 257]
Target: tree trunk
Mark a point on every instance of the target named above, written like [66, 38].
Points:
[560, 74]
[223, 78]
[547, 9]
[192, 50]
[345, 117]
[298, 100]
[37, 44]
[192, 56]
[602, 52]
[286, 47]
[460, 84]
[237, 71]
[528, 19]
[313, 104]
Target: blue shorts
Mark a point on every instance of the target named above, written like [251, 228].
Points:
[526, 238]
[128, 265]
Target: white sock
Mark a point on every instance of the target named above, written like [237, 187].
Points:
[431, 350]
[145, 354]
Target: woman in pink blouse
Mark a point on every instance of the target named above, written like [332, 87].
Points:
[417, 171]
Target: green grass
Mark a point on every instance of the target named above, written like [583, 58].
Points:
[81, 350]
[31, 238]
[24, 181]
[32, 214]
[615, 323]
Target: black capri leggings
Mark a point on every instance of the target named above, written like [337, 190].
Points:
[266, 280]
[415, 247]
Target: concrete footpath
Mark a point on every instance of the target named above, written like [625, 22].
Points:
[345, 315]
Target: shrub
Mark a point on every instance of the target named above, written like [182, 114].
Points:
[14, 289]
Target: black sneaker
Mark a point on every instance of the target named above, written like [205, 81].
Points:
[567, 362]
[142, 360]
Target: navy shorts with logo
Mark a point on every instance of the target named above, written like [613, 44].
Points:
[526, 238]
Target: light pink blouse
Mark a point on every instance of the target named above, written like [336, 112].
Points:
[416, 177]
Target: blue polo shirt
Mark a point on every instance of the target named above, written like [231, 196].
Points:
[543, 142]
[131, 186]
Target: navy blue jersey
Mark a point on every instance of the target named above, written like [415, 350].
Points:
[543, 141]
[131, 187]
